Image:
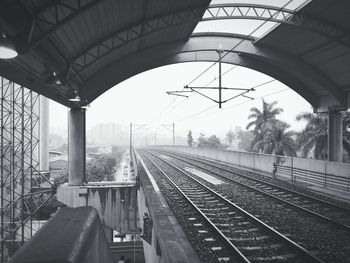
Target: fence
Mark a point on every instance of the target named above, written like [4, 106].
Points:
[332, 175]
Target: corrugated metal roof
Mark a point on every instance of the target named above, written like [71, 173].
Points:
[328, 54]
[62, 32]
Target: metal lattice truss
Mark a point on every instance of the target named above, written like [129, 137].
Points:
[215, 12]
[278, 15]
[48, 20]
[20, 180]
[137, 31]
[42, 25]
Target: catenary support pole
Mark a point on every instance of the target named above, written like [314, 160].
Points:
[173, 133]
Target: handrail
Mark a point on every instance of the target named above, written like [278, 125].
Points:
[72, 235]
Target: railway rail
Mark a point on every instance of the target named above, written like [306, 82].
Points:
[237, 235]
[317, 207]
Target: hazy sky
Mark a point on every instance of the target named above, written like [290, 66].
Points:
[142, 99]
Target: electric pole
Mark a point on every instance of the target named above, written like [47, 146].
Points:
[173, 133]
[167, 126]
[131, 131]
[220, 87]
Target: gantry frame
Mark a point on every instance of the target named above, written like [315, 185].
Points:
[20, 181]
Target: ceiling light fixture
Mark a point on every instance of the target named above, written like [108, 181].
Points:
[54, 79]
[7, 49]
[75, 97]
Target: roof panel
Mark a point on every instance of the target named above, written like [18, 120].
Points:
[326, 53]
[335, 12]
[292, 40]
[329, 54]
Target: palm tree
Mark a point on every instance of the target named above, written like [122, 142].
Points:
[346, 133]
[277, 140]
[189, 138]
[261, 118]
[314, 135]
[230, 137]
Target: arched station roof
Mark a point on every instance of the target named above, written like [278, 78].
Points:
[93, 45]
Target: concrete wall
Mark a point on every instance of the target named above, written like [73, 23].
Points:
[116, 206]
[332, 175]
[261, 162]
[130, 250]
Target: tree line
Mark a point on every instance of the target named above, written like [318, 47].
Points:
[265, 133]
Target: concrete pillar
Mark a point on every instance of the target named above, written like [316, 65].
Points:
[76, 146]
[335, 136]
[44, 134]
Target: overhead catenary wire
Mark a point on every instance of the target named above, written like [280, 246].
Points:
[228, 52]
[236, 45]
[206, 85]
[180, 122]
[211, 107]
[166, 108]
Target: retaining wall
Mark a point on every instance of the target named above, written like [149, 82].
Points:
[332, 175]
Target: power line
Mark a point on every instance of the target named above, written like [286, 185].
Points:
[164, 111]
[223, 74]
[195, 114]
[186, 99]
[203, 72]
[232, 106]
[236, 45]
[253, 87]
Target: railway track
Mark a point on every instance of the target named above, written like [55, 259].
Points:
[232, 234]
[319, 208]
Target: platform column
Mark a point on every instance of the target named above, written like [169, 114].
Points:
[76, 146]
[335, 136]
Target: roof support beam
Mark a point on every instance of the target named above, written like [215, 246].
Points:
[278, 15]
[298, 75]
[134, 32]
[247, 11]
[51, 18]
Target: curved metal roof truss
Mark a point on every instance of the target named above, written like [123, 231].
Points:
[159, 33]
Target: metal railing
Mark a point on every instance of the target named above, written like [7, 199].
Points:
[331, 175]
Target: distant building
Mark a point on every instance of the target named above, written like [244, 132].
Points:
[58, 164]
[107, 133]
[56, 141]
[54, 154]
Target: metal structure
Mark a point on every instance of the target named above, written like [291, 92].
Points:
[220, 101]
[22, 194]
[278, 15]
[131, 130]
[59, 41]
[62, 52]
[171, 128]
